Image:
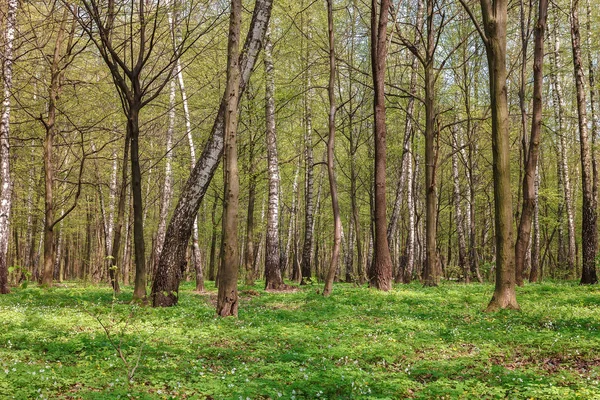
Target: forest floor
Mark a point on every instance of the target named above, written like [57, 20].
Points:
[412, 342]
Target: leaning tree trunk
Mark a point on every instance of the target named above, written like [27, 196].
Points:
[188, 131]
[227, 297]
[589, 233]
[337, 221]
[165, 287]
[381, 273]
[273, 280]
[531, 160]
[5, 177]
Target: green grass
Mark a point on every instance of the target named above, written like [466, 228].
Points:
[413, 342]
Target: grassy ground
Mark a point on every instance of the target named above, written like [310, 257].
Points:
[413, 342]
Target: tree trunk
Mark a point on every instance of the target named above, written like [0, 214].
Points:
[273, 280]
[494, 36]
[167, 189]
[139, 244]
[165, 287]
[308, 246]
[5, 176]
[462, 245]
[589, 233]
[381, 274]
[337, 221]
[531, 159]
[430, 271]
[558, 106]
[227, 298]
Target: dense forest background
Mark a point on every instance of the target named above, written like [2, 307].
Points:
[77, 74]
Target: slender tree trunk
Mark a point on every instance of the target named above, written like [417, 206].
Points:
[558, 106]
[139, 244]
[462, 245]
[291, 228]
[531, 159]
[381, 276]
[227, 298]
[5, 176]
[430, 271]
[50, 127]
[337, 221]
[593, 111]
[167, 189]
[535, 248]
[307, 247]
[273, 278]
[166, 281]
[589, 232]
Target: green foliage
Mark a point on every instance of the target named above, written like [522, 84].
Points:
[413, 342]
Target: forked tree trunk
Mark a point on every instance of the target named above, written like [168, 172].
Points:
[50, 127]
[589, 233]
[5, 176]
[273, 278]
[381, 274]
[165, 287]
[227, 297]
[337, 221]
[531, 159]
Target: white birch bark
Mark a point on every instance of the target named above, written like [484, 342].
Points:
[166, 282]
[5, 176]
[273, 278]
[559, 105]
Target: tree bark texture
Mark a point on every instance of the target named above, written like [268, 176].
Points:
[273, 279]
[165, 287]
[5, 175]
[227, 297]
[589, 233]
[381, 274]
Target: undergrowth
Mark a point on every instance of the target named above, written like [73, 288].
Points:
[413, 342]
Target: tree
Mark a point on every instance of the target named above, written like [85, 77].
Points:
[273, 278]
[494, 15]
[227, 298]
[165, 287]
[381, 274]
[531, 160]
[589, 217]
[337, 221]
[137, 81]
[5, 176]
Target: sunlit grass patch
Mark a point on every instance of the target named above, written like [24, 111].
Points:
[359, 343]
